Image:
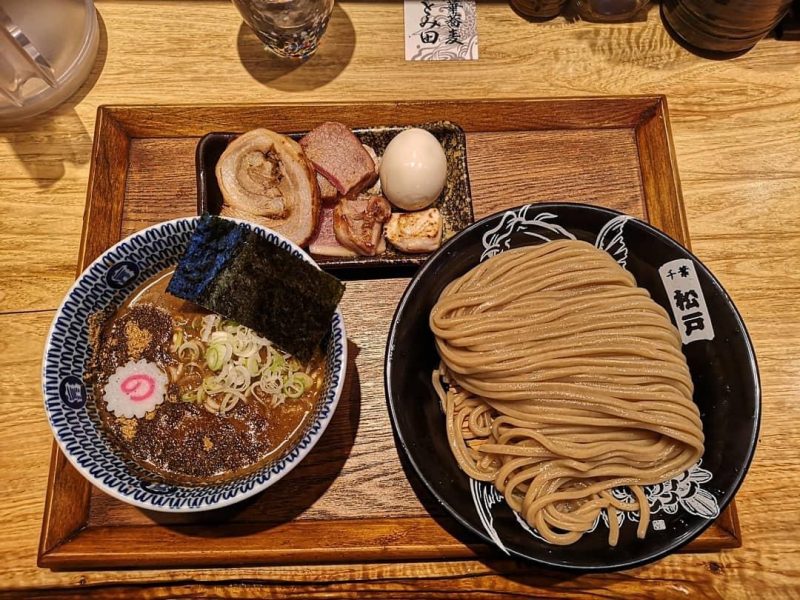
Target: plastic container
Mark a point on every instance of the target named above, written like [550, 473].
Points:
[47, 50]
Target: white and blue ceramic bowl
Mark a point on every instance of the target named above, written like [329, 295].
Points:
[72, 413]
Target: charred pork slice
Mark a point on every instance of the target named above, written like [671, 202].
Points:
[414, 232]
[324, 242]
[327, 192]
[358, 224]
[265, 177]
[338, 155]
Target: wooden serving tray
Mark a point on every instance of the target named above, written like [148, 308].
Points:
[352, 498]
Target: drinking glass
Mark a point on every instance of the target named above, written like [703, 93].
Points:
[289, 28]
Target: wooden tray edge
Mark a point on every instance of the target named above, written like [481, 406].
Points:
[62, 520]
[408, 539]
[659, 181]
[597, 112]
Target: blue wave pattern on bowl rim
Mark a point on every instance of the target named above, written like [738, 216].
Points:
[76, 425]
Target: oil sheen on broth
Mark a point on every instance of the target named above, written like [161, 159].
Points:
[231, 402]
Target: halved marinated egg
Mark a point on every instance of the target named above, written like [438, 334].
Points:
[413, 169]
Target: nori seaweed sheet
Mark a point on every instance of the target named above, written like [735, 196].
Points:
[236, 273]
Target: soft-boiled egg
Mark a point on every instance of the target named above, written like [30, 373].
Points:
[413, 169]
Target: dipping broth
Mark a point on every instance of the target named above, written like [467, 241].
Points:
[193, 397]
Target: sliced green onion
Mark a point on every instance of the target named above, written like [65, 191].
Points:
[304, 379]
[211, 385]
[293, 389]
[239, 366]
[177, 339]
[278, 362]
[251, 362]
[189, 350]
[221, 336]
[214, 358]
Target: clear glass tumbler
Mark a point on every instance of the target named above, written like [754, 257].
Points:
[290, 28]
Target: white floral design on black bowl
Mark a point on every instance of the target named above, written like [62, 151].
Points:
[73, 416]
[718, 351]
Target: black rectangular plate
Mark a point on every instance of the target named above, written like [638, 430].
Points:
[455, 202]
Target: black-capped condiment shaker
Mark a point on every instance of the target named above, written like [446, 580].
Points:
[723, 25]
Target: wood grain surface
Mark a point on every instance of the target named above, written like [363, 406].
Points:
[737, 144]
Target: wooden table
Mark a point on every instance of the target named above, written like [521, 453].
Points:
[736, 127]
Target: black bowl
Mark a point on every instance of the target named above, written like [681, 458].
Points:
[723, 369]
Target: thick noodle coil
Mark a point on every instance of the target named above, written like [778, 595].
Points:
[562, 380]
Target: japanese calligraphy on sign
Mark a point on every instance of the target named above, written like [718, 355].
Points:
[441, 30]
[687, 301]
